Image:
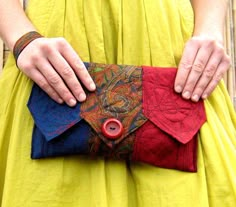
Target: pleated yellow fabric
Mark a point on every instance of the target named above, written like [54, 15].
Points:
[139, 32]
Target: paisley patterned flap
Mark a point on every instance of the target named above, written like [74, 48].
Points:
[118, 95]
[174, 115]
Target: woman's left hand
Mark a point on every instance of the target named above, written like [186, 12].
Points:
[201, 67]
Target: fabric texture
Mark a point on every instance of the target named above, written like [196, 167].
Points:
[131, 32]
[133, 95]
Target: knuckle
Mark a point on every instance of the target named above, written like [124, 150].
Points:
[65, 94]
[43, 45]
[26, 66]
[35, 58]
[54, 79]
[61, 41]
[76, 61]
[200, 87]
[43, 85]
[52, 93]
[212, 41]
[219, 51]
[77, 90]
[217, 77]
[198, 66]
[186, 64]
[209, 43]
[210, 70]
[47, 48]
[190, 85]
[67, 71]
[80, 68]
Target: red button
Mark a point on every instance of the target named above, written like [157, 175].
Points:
[112, 128]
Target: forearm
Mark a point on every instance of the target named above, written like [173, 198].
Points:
[209, 17]
[13, 22]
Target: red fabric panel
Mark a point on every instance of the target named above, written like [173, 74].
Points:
[156, 147]
[176, 116]
[169, 137]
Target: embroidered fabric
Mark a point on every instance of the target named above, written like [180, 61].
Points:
[160, 128]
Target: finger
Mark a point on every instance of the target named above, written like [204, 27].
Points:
[207, 76]
[222, 68]
[78, 66]
[185, 65]
[41, 81]
[68, 75]
[55, 81]
[199, 64]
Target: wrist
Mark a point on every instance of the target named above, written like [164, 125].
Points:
[212, 35]
[23, 41]
[11, 40]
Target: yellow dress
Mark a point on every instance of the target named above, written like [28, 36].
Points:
[150, 32]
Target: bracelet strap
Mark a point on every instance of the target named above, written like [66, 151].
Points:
[23, 41]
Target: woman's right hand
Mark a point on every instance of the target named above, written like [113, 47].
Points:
[55, 67]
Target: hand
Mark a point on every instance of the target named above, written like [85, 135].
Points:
[201, 67]
[57, 69]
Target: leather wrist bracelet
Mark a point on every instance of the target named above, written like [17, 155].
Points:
[23, 41]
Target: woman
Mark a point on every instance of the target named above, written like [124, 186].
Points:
[135, 32]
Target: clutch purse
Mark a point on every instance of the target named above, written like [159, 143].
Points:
[133, 115]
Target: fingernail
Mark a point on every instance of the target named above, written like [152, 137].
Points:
[178, 89]
[195, 98]
[186, 94]
[92, 86]
[82, 97]
[72, 102]
[204, 96]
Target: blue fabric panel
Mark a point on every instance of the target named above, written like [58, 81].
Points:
[50, 117]
[51, 136]
[71, 142]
